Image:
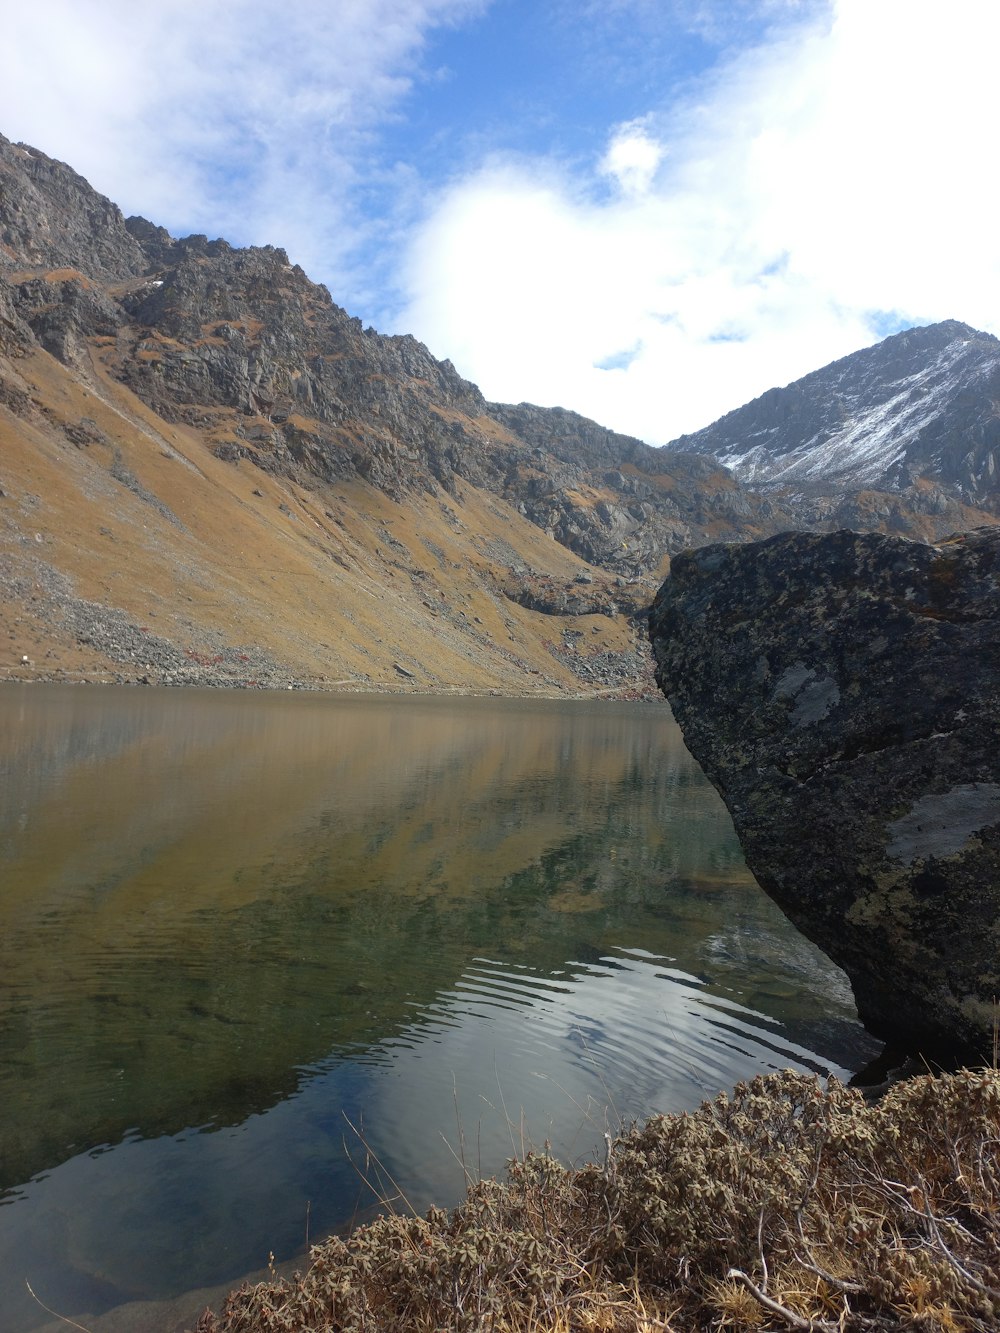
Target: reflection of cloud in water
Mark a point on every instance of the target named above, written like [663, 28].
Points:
[508, 1054]
[506, 1059]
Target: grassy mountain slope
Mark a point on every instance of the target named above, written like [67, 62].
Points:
[129, 550]
[211, 473]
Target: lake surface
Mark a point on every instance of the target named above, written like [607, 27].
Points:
[255, 947]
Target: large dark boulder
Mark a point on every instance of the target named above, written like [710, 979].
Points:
[842, 692]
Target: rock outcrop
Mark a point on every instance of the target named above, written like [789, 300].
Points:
[843, 694]
[51, 218]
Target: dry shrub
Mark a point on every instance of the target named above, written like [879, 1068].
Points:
[784, 1205]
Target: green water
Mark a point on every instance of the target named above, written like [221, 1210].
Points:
[250, 941]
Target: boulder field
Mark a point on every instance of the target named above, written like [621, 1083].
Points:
[842, 692]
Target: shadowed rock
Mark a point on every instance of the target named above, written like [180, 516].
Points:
[842, 692]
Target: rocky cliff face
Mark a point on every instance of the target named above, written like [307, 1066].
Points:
[244, 347]
[915, 417]
[51, 218]
[843, 694]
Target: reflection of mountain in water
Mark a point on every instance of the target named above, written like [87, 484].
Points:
[240, 887]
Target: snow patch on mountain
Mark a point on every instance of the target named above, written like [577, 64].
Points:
[923, 403]
[873, 438]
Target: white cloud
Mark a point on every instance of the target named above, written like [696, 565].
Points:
[251, 119]
[632, 158]
[835, 175]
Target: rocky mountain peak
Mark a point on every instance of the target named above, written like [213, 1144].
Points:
[917, 409]
[50, 217]
[162, 250]
[244, 346]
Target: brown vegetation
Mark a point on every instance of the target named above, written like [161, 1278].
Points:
[140, 519]
[782, 1206]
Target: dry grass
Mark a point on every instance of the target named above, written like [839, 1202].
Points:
[782, 1206]
[254, 559]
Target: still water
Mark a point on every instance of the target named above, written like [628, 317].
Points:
[254, 947]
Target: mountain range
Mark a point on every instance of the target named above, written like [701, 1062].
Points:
[211, 473]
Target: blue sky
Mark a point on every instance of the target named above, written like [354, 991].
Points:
[649, 211]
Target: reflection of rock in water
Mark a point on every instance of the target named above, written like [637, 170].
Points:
[843, 693]
[586, 955]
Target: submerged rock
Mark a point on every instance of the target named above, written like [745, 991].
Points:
[842, 692]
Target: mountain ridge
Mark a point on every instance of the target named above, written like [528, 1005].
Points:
[194, 434]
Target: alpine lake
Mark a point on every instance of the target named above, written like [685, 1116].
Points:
[270, 962]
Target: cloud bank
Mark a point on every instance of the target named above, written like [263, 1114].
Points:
[808, 196]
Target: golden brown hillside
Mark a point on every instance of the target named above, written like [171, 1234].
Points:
[129, 551]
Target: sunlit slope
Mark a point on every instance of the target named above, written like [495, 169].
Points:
[217, 564]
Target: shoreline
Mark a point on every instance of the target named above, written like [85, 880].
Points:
[783, 1199]
[290, 683]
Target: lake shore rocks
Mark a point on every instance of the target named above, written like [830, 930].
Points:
[842, 692]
